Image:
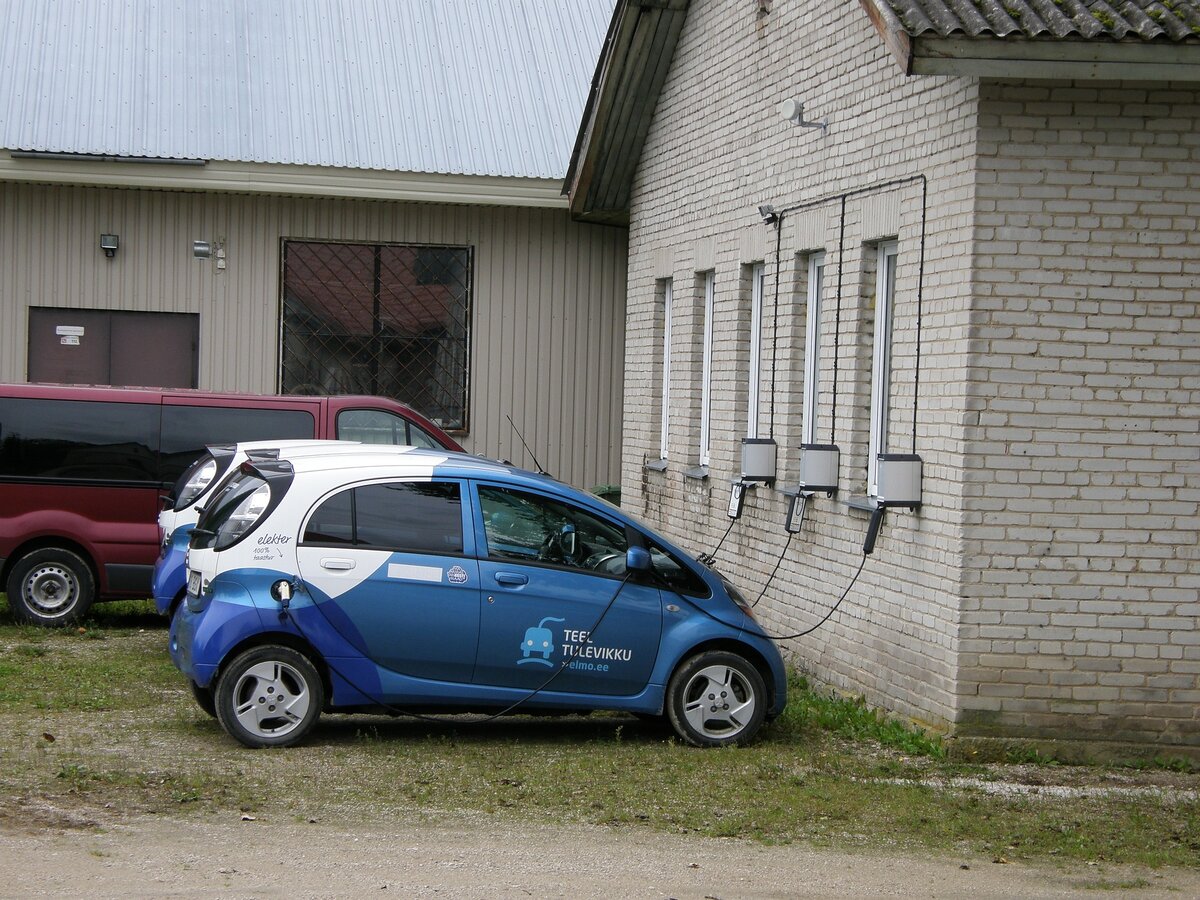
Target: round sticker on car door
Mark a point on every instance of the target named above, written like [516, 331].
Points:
[457, 575]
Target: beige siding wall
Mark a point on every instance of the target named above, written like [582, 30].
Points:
[718, 148]
[1082, 604]
[548, 297]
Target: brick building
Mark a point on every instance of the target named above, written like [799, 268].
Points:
[981, 248]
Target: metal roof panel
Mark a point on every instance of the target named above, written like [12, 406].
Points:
[461, 87]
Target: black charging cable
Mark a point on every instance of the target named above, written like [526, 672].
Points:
[710, 558]
[825, 618]
[774, 571]
[285, 613]
[798, 634]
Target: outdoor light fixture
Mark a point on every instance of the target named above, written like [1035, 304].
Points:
[769, 216]
[201, 249]
[793, 111]
[108, 243]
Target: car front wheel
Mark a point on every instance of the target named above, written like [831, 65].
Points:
[50, 587]
[716, 698]
[269, 696]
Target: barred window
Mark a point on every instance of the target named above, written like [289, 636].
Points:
[388, 319]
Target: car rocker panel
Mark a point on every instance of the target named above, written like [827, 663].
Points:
[548, 619]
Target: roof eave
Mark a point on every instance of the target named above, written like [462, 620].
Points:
[286, 180]
[1080, 60]
[629, 76]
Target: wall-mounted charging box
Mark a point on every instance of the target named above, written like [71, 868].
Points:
[819, 468]
[758, 459]
[899, 480]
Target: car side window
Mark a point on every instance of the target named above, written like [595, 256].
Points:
[372, 426]
[413, 517]
[528, 527]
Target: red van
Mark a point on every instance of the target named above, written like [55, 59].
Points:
[82, 470]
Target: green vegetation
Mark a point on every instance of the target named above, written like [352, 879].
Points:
[96, 718]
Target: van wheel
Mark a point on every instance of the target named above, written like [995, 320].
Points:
[269, 696]
[716, 699]
[50, 587]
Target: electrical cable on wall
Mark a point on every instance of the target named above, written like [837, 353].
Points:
[775, 320]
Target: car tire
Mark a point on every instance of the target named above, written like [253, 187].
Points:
[50, 587]
[204, 698]
[269, 696]
[716, 699]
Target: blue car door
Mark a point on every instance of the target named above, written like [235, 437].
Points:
[389, 568]
[549, 571]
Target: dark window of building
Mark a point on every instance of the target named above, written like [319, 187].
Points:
[72, 440]
[187, 429]
[389, 319]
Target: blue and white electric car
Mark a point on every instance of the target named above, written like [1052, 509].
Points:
[438, 582]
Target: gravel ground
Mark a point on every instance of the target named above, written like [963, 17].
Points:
[257, 857]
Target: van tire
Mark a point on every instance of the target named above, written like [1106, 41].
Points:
[50, 587]
[248, 688]
[716, 699]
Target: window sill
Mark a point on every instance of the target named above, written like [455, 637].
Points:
[861, 502]
[696, 473]
[656, 465]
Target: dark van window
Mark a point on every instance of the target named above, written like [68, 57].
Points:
[79, 440]
[187, 429]
[415, 517]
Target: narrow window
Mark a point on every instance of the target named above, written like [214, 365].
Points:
[757, 283]
[664, 429]
[881, 360]
[812, 347]
[710, 289]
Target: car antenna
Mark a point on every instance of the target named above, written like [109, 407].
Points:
[541, 471]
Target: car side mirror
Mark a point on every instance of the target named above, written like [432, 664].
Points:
[637, 559]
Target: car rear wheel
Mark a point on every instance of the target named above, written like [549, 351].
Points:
[715, 699]
[50, 587]
[269, 696]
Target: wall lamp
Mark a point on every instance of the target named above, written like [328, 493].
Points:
[769, 216]
[793, 111]
[201, 249]
[109, 244]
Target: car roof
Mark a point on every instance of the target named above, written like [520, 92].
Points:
[400, 461]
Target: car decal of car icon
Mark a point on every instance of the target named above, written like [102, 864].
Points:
[538, 639]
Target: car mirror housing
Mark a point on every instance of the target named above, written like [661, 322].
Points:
[637, 559]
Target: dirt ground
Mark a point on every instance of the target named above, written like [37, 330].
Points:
[232, 857]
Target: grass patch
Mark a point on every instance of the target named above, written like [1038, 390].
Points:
[100, 720]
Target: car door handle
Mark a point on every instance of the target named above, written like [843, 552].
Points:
[330, 562]
[511, 578]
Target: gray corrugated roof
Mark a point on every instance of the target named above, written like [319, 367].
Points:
[474, 87]
[1173, 20]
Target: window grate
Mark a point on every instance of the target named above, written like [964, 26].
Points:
[388, 319]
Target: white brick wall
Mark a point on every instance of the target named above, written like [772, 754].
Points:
[1048, 587]
[717, 149]
[1080, 614]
